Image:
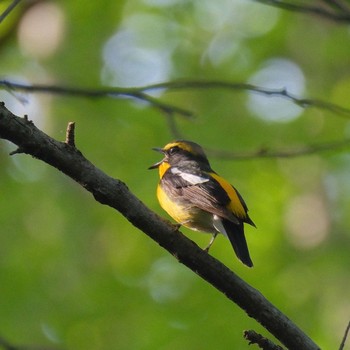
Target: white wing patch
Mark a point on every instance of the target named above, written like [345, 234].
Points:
[191, 178]
[217, 223]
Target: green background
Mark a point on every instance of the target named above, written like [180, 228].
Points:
[75, 274]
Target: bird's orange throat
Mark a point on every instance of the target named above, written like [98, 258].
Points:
[163, 167]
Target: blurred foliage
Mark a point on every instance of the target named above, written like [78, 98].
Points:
[75, 274]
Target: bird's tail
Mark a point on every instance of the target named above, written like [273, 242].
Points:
[235, 233]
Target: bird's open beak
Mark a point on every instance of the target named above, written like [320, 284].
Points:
[156, 165]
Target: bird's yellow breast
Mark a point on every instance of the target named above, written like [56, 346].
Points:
[176, 210]
[185, 213]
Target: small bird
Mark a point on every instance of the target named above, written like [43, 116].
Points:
[195, 196]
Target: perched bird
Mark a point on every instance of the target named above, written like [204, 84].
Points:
[195, 196]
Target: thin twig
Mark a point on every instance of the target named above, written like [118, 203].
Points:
[287, 153]
[319, 11]
[139, 93]
[16, 151]
[6, 345]
[338, 4]
[278, 92]
[345, 336]
[135, 93]
[13, 4]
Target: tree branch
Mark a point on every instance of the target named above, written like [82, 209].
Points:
[114, 193]
[337, 16]
[10, 7]
[262, 342]
[282, 153]
[140, 93]
[278, 92]
[119, 92]
[339, 4]
[345, 336]
[170, 111]
[6, 345]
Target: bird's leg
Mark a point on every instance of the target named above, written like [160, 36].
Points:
[211, 242]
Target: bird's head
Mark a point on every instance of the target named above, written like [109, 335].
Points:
[179, 153]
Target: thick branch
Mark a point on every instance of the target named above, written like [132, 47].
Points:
[114, 193]
[262, 342]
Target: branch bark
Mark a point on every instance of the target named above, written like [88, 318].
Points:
[114, 193]
[262, 342]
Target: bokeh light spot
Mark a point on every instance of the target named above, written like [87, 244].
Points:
[139, 53]
[41, 30]
[277, 74]
[307, 221]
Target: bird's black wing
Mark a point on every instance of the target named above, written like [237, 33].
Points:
[201, 190]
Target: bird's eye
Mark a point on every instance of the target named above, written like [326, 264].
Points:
[173, 150]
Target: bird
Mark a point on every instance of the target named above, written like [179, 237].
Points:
[196, 197]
